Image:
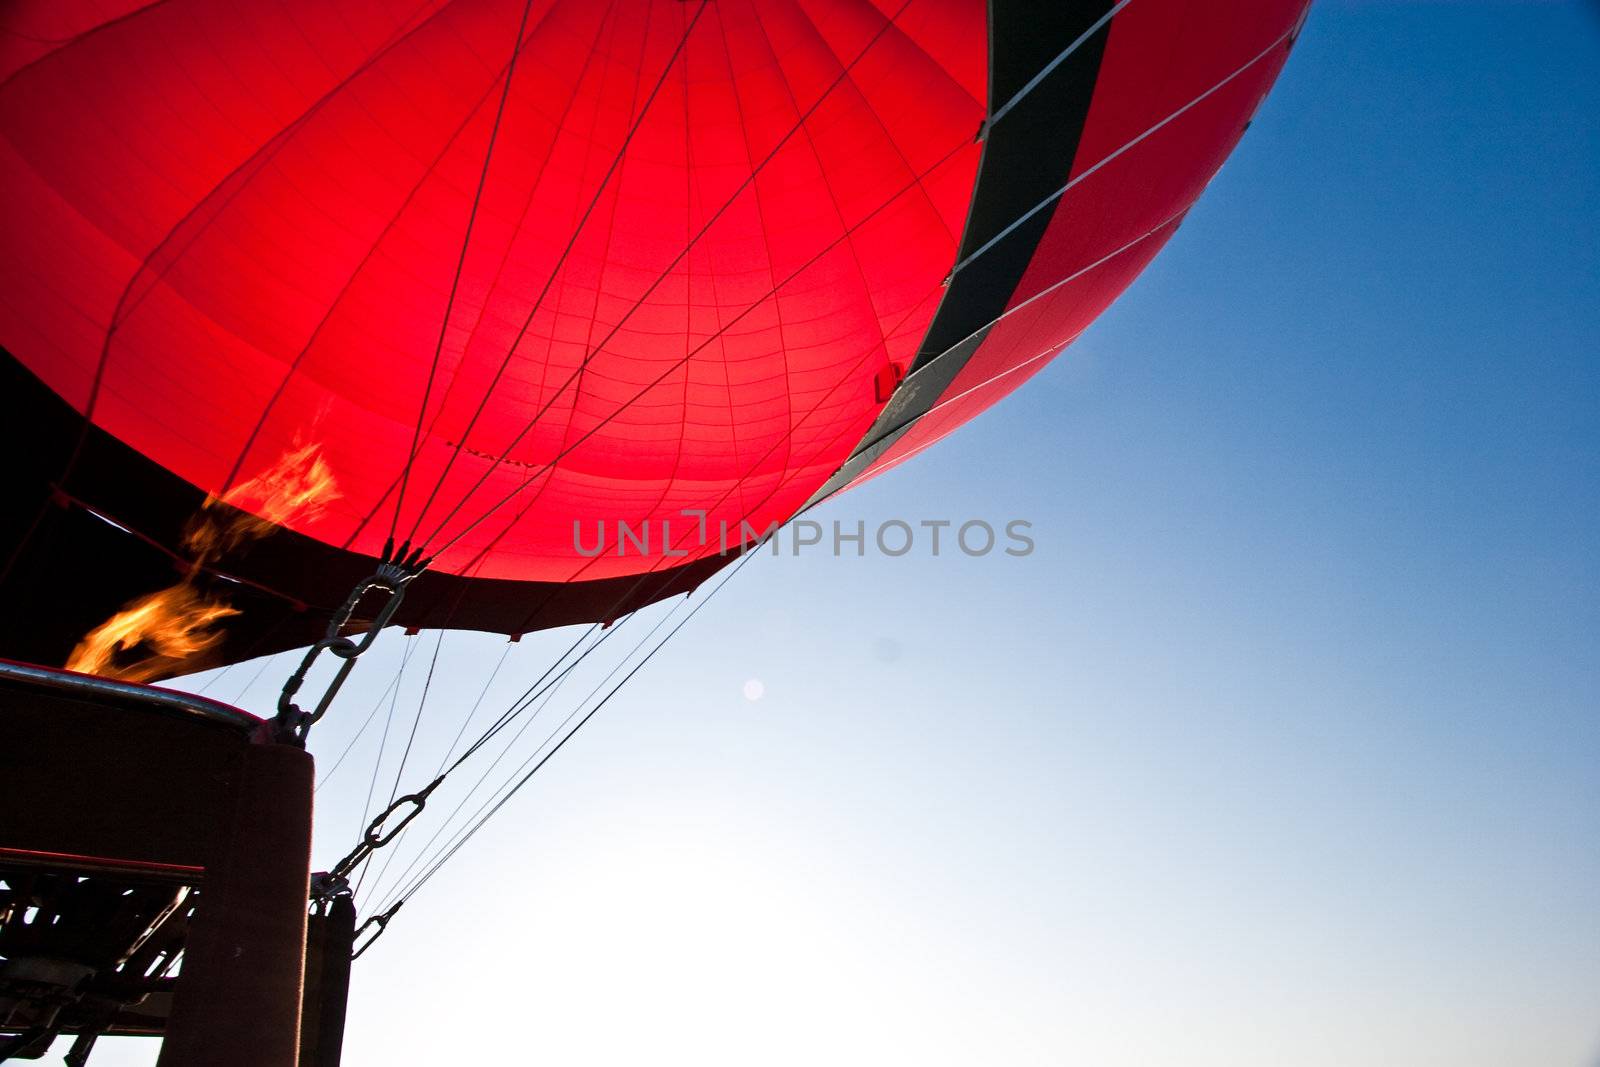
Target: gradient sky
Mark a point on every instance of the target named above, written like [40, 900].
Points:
[1283, 748]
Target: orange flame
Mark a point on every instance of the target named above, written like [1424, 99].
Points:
[298, 487]
[171, 626]
[174, 625]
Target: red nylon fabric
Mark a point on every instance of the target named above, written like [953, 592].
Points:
[1161, 57]
[233, 231]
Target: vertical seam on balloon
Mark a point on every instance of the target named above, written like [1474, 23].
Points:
[933, 208]
[316, 332]
[827, 185]
[636, 118]
[748, 310]
[616, 164]
[766, 250]
[910, 41]
[258, 159]
[377, 505]
[688, 287]
[461, 263]
[527, 206]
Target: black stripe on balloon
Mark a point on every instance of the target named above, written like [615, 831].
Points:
[1026, 158]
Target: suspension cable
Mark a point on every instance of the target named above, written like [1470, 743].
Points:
[376, 836]
[1061, 57]
[961, 265]
[555, 271]
[748, 181]
[388, 721]
[461, 264]
[1110, 157]
[515, 710]
[626, 596]
[538, 692]
[1106, 160]
[676, 365]
[422, 705]
[411, 890]
[422, 854]
[466, 720]
[377, 706]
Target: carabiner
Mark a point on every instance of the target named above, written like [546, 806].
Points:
[382, 923]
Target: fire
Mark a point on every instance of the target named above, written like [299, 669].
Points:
[298, 487]
[154, 635]
[169, 626]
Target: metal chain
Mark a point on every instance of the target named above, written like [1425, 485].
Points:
[394, 573]
[328, 884]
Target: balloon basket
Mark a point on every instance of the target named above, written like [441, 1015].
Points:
[154, 871]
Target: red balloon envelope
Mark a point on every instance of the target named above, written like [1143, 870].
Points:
[495, 277]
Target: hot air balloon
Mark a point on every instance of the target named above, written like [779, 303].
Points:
[321, 317]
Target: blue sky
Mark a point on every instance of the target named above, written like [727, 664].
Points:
[1280, 749]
